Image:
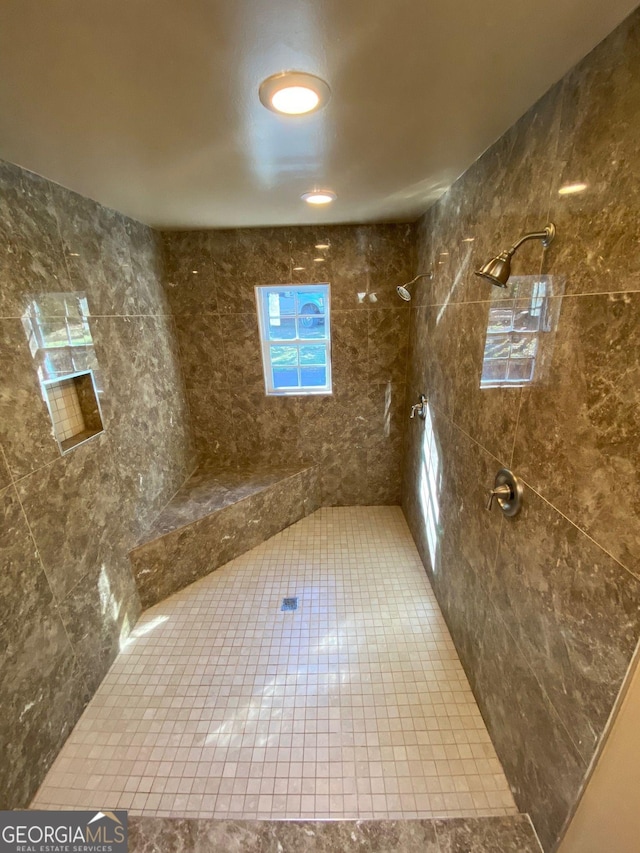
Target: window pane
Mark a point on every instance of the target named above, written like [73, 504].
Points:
[54, 333]
[311, 303]
[313, 377]
[284, 356]
[522, 369]
[523, 346]
[525, 321]
[497, 346]
[58, 362]
[285, 377]
[313, 355]
[495, 371]
[82, 358]
[280, 304]
[312, 327]
[79, 333]
[282, 328]
[500, 319]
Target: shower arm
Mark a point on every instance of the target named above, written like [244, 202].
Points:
[420, 275]
[546, 236]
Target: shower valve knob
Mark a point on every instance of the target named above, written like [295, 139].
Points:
[501, 492]
[507, 491]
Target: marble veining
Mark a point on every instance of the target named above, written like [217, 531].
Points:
[464, 835]
[544, 608]
[210, 286]
[579, 464]
[216, 516]
[26, 431]
[66, 523]
[208, 490]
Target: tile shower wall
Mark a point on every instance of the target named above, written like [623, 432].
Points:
[356, 433]
[544, 608]
[66, 589]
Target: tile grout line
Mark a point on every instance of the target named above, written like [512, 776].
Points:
[540, 495]
[336, 542]
[498, 614]
[581, 530]
[589, 293]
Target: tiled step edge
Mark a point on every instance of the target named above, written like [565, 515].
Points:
[512, 834]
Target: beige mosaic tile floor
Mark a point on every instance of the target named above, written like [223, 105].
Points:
[354, 705]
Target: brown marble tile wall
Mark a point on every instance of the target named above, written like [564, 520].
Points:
[544, 608]
[66, 523]
[354, 434]
[512, 834]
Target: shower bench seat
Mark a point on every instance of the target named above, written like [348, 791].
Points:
[218, 515]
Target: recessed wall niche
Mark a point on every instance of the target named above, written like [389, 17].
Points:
[59, 335]
[74, 409]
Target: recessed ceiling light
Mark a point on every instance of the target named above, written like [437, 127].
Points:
[294, 93]
[319, 197]
[298, 269]
[322, 245]
[318, 260]
[468, 239]
[571, 189]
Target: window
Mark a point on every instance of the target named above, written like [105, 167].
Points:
[513, 335]
[59, 335]
[430, 487]
[295, 337]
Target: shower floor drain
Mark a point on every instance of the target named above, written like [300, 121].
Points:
[289, 604]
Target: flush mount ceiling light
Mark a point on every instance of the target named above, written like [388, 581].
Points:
[319, 197]
[294, 93]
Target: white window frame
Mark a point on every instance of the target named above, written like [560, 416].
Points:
[262, 293]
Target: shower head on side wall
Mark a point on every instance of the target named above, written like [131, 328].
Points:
[498, 269]
[403, 289]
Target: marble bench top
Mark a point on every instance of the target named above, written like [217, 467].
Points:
[209, 490]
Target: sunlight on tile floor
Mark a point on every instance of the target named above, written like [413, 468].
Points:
[354, 705]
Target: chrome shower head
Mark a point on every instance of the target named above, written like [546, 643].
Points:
[498, 269]
[403, 289]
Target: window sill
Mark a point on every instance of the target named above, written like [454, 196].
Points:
[298, 392]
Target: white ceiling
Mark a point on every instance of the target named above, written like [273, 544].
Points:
[151, 106]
